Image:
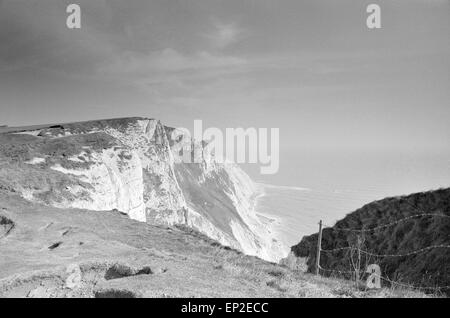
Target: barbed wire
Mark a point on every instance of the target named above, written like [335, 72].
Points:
[386, 225]
[406, 254]
[335, 270]
[388, 280]
[336, 249]
[387, 255]
[412, 286]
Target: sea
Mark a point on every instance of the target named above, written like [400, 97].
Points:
[328, 186]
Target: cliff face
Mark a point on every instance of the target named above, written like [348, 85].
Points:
[128, 165]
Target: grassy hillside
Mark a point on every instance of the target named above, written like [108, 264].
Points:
[50, 252]
[17, 149]
[428, 268]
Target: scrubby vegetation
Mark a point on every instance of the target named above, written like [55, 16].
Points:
[429, 268]
[47, 185]
[6, 226]
[120, 124]
[21, 147]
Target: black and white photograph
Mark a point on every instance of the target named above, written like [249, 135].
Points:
[224, 154]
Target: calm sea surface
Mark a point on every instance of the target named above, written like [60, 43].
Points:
[328, 186]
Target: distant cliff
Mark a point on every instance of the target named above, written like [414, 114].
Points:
[429, 267]
[127, 164]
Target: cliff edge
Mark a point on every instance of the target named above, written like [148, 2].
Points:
[127, 165]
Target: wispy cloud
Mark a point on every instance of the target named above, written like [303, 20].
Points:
[170, 60]
[170, 72]
[223, 35]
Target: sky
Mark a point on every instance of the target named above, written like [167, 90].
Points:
[311, 68]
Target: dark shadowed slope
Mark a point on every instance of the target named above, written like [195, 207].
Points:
[429, 235]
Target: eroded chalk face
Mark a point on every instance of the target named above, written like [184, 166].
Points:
[235, 145]
[129, 165]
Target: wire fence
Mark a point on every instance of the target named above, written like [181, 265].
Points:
[392, 282]
[388, 255]
[362, 251]
[386, 225]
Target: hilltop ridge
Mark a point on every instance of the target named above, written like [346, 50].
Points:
[416, 226]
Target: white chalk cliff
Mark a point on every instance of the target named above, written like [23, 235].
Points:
[135, 172]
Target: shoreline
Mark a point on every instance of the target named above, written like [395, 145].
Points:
[260, 193]
[270, 221]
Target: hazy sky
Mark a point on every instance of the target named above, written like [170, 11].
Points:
[311, 68]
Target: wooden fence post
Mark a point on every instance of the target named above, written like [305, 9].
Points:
[319, 246]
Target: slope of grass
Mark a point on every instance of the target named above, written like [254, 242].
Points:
[429, 268]
[20, 147]
[77, 253]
